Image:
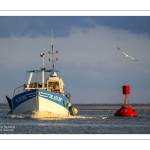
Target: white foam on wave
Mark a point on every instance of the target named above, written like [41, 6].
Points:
[46, 116]
[104, 117]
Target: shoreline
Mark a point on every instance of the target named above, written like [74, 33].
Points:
[112, 107]
[97, 106]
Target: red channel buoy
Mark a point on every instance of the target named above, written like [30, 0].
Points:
[126, 110]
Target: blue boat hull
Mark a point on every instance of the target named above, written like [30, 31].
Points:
[41, 100]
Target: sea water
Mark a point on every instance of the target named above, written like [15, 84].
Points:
[89, 120]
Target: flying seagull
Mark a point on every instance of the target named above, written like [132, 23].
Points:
[127, 54]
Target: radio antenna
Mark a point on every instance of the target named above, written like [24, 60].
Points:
[52, 52]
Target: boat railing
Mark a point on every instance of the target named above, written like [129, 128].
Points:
[27, 87]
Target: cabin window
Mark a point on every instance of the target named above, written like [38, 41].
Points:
[53, 86]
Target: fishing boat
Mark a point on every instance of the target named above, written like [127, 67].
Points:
[48, 95]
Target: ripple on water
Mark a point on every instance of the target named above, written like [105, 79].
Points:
[45, 115]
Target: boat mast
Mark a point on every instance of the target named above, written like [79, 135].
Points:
[52, 53]
[42, 55]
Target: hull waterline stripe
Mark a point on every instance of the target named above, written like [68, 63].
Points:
[44, 95]
[30, 93]
[32, 96]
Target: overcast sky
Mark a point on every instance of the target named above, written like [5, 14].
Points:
[90, 64]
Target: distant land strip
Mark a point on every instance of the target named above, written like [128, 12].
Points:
[137, 106]
[101, 104]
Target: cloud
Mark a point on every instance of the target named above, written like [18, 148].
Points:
[90, 64]
[33, 26]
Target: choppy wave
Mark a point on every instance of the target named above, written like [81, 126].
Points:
[86, 122]
[104, 117]
[44, 115]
